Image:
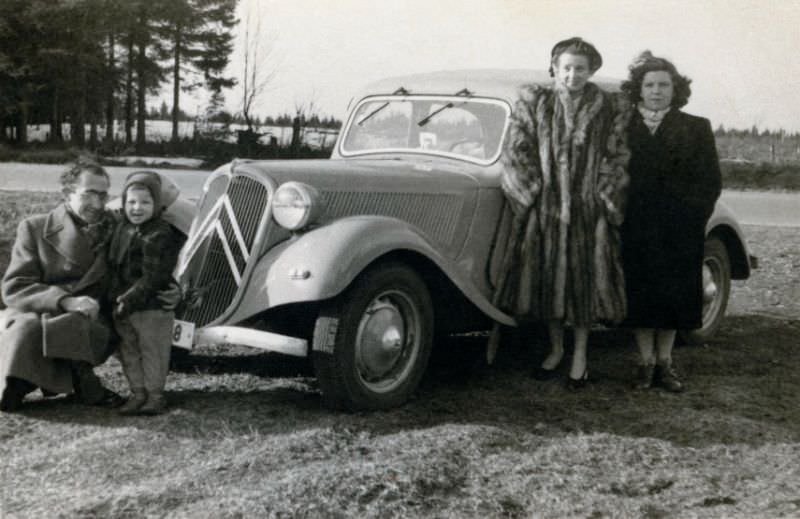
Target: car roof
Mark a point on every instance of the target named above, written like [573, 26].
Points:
[500, 83]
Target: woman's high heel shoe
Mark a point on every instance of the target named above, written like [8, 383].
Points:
[578, 383]
[544, 374]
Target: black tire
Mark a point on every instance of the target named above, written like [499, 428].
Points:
[372, 343]
[716, 290]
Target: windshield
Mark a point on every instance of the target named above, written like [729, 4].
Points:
[468, 128]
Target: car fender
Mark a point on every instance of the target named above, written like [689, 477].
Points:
[723, 224]
[321, 263]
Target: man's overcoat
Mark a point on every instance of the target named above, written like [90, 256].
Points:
[51, 258]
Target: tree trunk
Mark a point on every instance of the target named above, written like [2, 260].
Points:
[78, 122]
[110, 87]
[176, 84]
[141, 96]
[93, 131]
[129, 96]
[22, 123]
[56, 133]
[296, 137]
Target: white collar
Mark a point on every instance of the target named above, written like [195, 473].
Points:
[652, 116]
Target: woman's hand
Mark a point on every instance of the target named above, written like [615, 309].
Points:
[613, 214]
[121, 309]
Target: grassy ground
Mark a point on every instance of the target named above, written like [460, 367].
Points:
[247, 435]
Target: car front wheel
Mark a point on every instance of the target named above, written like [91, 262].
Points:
[372, 343]
[716, 290]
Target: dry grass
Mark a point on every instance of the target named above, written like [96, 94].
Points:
[247, 436]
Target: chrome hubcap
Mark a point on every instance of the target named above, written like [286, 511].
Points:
[712, 273]
[388, 341]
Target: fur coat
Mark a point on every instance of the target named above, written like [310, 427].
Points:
[565, 179]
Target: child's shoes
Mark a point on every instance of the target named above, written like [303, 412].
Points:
[135, 402]
[156, 404]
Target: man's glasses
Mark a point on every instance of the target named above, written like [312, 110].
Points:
[92, 195]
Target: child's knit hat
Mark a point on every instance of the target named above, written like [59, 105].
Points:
[151, 181]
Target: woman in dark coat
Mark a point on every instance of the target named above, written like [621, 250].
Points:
[674, 183]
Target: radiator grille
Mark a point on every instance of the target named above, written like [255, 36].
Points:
[218, 267]
[434, 214]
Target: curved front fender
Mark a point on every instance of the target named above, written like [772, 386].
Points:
[321, 263]
[724, 224]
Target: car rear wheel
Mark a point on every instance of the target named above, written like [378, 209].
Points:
[372, 343]
[716, 290]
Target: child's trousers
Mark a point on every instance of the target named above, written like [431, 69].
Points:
[145, 348]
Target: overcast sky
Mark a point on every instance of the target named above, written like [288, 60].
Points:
[741, 54]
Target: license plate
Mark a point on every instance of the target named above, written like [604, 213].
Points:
[182, 333]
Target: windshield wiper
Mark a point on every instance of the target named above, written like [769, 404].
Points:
[400, 91]
[425, 120]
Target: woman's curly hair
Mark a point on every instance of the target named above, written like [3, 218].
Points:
[646, 62]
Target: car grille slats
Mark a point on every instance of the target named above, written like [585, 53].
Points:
[433, 213]
[218, 267]
[249, 205]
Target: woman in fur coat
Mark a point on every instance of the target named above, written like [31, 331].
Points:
[565, 180]
[675, 181]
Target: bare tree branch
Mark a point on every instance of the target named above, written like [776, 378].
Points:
[258, 70]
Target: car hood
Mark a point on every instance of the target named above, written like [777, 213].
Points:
[380, 175]
[437, 199]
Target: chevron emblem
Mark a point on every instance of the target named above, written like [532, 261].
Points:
[212, 224]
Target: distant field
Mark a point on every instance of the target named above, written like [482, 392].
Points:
[738, 174]
[774, 149]
[161, 131]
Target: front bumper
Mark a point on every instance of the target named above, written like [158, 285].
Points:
[215, 335]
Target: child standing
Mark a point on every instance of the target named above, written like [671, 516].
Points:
[142, 255]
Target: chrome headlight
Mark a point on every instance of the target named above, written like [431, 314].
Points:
[295, 205]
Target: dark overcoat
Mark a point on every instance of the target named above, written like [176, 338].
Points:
[674, 183]
[51, 258]
[565, 180]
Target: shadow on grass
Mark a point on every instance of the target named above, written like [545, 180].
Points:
[740, 389]
[239, 360]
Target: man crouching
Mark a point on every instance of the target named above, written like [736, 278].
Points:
[55, 329]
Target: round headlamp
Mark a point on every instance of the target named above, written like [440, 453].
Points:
[295, 205]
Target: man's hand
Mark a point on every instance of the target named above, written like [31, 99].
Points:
[170, 297]
[82, 304]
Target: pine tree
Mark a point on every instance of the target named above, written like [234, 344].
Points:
[197, 35]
